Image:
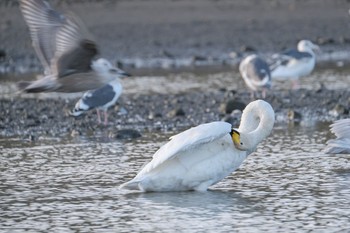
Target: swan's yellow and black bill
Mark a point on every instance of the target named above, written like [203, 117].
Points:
[236, 138]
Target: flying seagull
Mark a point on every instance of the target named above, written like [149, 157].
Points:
[294, 63]
[66, 50]
[256, 74]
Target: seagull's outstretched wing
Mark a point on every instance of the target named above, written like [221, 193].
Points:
[62, 43]
[188, 140]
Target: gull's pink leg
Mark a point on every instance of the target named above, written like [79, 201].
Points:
[98, 116]
[106, 117]
[296, 84]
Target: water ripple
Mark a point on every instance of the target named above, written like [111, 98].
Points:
[287, 185]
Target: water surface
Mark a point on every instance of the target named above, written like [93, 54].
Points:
[68, 185]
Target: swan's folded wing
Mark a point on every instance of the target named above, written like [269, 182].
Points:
[188, 140]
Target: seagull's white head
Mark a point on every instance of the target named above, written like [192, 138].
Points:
[102, 65]
[308, 46]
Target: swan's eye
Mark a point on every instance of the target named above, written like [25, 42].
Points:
[241, 143]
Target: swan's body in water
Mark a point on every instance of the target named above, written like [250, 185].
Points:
[340, 145]
[204, 155]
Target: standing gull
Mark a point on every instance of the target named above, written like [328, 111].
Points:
[99, 99]
[340, 145]
[256, 74]
[66, 49]
[294, 63]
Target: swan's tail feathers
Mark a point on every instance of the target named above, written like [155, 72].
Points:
[338, 146]
[131, 185]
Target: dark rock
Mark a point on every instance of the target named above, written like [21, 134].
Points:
[166, 54]
[344, 40]
[2, 54]
[246, 48]
[325, 41]
[232, 105]
[198, 58]
[233, 118]
[176, 112]
[338, 110]
[127, 134]
[294, 115]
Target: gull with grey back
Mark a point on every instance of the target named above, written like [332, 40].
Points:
[66, 50]
[294, 63]
[99, 99]
[256, 74]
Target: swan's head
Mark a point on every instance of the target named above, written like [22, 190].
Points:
[241, 141]
[102, 65]
[308, 46]
[256, 124]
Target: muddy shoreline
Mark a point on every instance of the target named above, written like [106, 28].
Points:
[34, 119]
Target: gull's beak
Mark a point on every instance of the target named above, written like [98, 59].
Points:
[119, 72]
[236, 138]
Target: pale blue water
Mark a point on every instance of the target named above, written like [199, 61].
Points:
[70, 185]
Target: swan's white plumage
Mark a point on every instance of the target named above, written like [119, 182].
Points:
[203, 155]
[340, 145]
[190, 139]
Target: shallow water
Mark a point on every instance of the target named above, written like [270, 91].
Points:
[70, 184]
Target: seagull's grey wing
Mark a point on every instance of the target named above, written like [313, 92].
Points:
[99, 97]
[283, 59]
[43, 23]
[258, 70]
[293, 53]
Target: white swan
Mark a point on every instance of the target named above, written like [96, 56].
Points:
[340, 145]
[202, 156]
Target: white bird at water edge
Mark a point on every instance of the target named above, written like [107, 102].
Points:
[204, 155]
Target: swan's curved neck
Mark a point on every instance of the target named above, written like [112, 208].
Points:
[257, 122]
